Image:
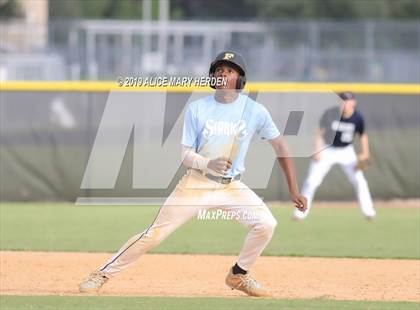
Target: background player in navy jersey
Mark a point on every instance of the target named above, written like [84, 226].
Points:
[342, 133]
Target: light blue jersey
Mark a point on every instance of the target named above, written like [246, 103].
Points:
[217, 129]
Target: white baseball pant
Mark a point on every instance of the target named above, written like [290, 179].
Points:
[346, 157]
[194, 193]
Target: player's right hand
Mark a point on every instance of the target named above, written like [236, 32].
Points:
[301, 202]
[220, 165]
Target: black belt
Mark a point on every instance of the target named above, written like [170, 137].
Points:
[220, 179]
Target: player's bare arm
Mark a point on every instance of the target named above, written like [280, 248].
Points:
[286, 163]
[364, 147]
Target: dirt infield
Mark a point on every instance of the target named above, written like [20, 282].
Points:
[40, 273]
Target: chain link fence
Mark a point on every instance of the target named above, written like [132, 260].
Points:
[365, 51]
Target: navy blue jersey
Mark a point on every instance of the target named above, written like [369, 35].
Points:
[342, 130]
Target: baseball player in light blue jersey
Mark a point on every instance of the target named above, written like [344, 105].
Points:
[216, 136]
[227, 129]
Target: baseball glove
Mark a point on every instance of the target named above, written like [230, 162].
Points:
[363, 164]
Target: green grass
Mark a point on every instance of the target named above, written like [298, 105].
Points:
[326, 232]
[163, 303]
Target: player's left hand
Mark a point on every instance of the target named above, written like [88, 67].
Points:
[363, 162]
[363, 157]
[300, 202]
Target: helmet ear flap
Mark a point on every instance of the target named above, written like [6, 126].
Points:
[240, 83]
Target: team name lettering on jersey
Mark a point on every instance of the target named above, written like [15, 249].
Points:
[341, 126]
[346, 129]
[224, 128]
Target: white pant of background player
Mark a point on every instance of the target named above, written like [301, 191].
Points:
[347, 159]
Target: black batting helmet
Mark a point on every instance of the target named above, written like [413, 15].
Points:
[236, 60]
[347, 95]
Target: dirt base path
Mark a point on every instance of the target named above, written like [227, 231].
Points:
[40, 273]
